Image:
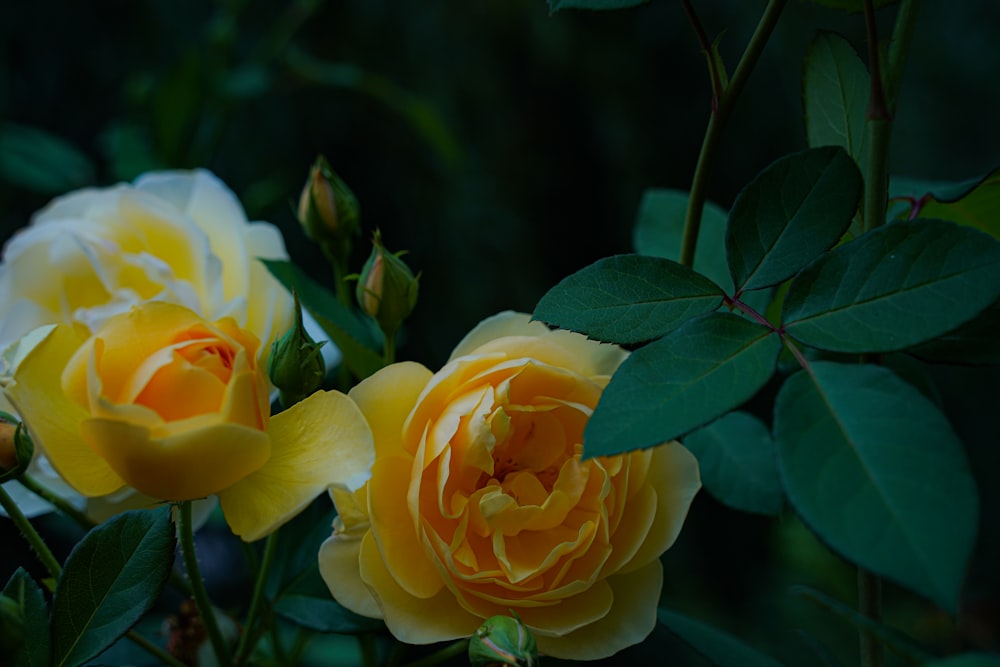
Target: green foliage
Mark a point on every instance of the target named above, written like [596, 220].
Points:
[628, 299]
[111, 579]
[966, 660]
[556, 5]
[694, 374]
[877, 472]
[852, 5]
[974, 203]
[34, 621]
[795, 209]
[900, 285]
[835, 95]
[40, 161]
[720, 647]
[738, 463]
[337, 320]
[323, 614]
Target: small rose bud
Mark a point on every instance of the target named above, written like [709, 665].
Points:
[16, 447]
[503, 640]
[328, 210]
[296, 365]
[8, 455]
[387, 288]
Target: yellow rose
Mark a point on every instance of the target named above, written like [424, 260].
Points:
[179, 237]
[161, 400]
[479, 502]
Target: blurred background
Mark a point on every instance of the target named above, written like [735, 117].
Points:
[504, 148]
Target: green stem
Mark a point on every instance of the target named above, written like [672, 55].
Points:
[706, 46]
[153, 649]
[450, 651]
[30, 534]
[369, 649]
[899, 48]
[389, 348]
[61, 504]
[198, 591]
[716, 125]
[244, 648]
[878, 128]
[870, 606]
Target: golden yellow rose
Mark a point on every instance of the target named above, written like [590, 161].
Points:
[479, 502]
[161, 400]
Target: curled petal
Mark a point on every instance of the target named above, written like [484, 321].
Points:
[339, 567]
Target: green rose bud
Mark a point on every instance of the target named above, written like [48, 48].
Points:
[16, 447]
[328, 210]
[387, 288]
[503, 640]
[296, 366]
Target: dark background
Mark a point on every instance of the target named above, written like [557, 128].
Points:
[504, 148]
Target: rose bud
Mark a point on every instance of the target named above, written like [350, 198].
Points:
[296, 365]
[387, 288]
[328, 210]
[503, 640]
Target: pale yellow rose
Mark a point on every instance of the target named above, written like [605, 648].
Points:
[161, 400]
[479, 502]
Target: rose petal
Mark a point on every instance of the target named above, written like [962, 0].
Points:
[631, 618]
[54, 420]
[386, 398]
[321, 441]
[340, 568]
[192, 462]
[673, 473]
[410, 619]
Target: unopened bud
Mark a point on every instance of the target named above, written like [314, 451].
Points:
[503, 640]
[296, 365]
[328, 210]
[387, 289]
[8, 455]
[16, 447]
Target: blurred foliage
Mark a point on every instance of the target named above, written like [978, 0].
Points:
[505, 149]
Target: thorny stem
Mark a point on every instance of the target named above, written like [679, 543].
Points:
[716, 124]
[245, 647]
[61, 504]
[198, 591]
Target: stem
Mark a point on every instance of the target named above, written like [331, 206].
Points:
[389, 348]
[870, 606]
[369, 650]
[61, 504]
[706, 46]
[30, 534]
[716, 124]
[878, 127]
[244, 648]
[198, 591]
[450, 651]
[735, 302]
[153, 649]
[899, 47]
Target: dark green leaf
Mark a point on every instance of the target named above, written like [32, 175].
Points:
[628, 299]
[41, 162]
[659, 226]
[34, 616]
[556, 5]
[720, 647]
[835, 92]
[694, 374]
[874, 468]
[974, 203]
[324, 615]
[795, 209]
[112, 577]
[974, 342]
[295, 566]
[900, 285]
[738, 464]
[338, 321]
[966, 660]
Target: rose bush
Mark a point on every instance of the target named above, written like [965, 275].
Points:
[479, 501]
[177, 407]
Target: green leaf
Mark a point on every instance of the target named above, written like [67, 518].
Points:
[34, 613]
[876, 471]
[793, 211]
[40, 161]
[296, 567]
[974, 342]
[966, 660]
[694, 374]
[835, 90]
[324, 615]
[628, 299]
[974, 203]
[112, 577]
[556, 5]
[720, 647]
[899, 285]
[659, 227]
[738, 463]
[852, 5]
[338, 321]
